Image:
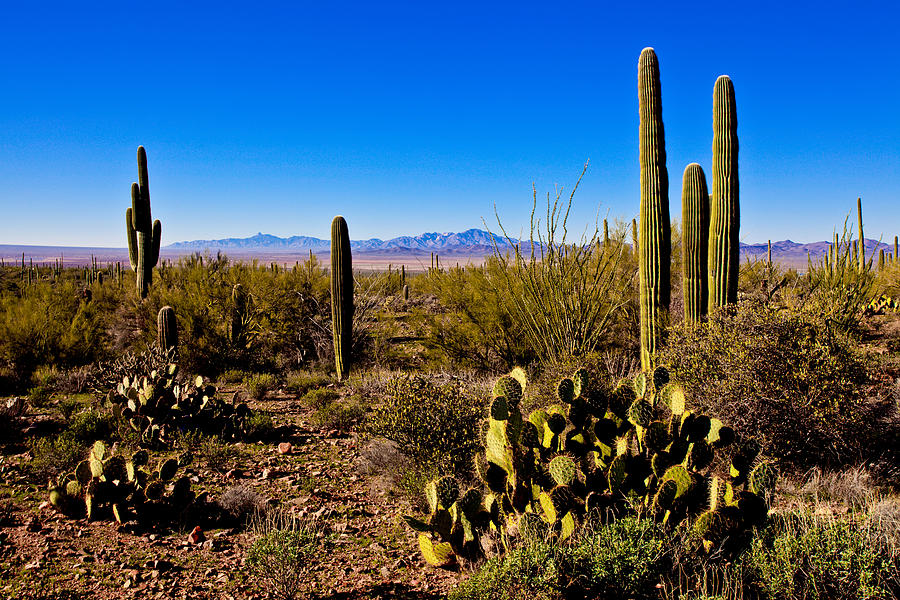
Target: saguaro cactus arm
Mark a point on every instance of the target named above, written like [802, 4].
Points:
[695, 242]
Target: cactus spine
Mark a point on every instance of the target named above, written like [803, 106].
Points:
[341, 295]
[654, 243]
[695, 242]
[725, 219]
[143, 238]
[167, 329]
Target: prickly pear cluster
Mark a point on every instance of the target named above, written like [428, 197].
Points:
[109, 486]
[631, 448]
[157, 405]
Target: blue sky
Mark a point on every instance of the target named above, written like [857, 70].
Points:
[414, 117]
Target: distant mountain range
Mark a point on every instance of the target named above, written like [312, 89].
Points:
[470, 242]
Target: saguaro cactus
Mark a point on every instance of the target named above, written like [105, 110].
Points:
[167, 329]
[655, 243]
[341, 295]
[862, 237]
[143, 238]
[725, 217]
[695, 242]
[238, 314]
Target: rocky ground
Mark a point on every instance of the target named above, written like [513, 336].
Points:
[369, 552]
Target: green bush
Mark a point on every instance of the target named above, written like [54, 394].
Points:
[301, 382]
[821, 558]
[624, 559]
[343, 415]
[436, 425]
[319, 398]
[782, 376]
[259, 385]
[52, 456]
[284, 553]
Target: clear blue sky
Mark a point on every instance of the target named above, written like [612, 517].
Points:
[419, 116]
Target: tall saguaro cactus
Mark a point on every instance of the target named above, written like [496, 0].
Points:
[341, 294]
[695, 242]
[725, 218]
[238, 315]
[167, 329]
[655, 241]
[143, 238]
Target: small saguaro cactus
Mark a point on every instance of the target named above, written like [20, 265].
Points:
[341, 295]
[862, 237]
[238, 314]
[143, 237]
[695, 243]
[725, 216]
[654, 243]
[167, 329]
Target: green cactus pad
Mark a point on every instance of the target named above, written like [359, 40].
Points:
[660, 377]
[500, 408]
[556, 423]
[416, 524]
[701, 454]
[665, 495]
[447, 491]
[551, 515]
[167, 469]
[581, 380]
[508, 387]
[681, 477]
[530, 437]
[618, 472]
[621, 400]
[639, 384]
[640, 413]
[114, 469]
[98, 451]
[605, 430]
[563, 470]
[656, 436]
[672, 397]
[565, 390]
[567, 526]
[762, 481]
[436, 554]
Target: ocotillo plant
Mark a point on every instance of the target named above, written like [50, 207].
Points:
[725, 219]
[654, 244]
[143, 238]
[341, 295]
[167, 329]
[695, 242]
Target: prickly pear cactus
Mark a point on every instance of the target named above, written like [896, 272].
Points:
[634, 447]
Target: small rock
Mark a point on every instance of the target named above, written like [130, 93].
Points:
[284, 448]
[196, 536]
[385, 572]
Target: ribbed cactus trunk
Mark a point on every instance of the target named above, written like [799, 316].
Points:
[143, 237]
[238, 313]
[695, 242]
[769, 255]
[634, 237]
[881, 259]
[341, 295]
[725, 219]
[167, 329]
[654, 243]
[862, 237]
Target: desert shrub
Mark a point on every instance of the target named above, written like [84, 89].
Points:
[90, 425]
[217, 454]
[800, 555]
[240, 503]
[69, 407]
[436, 425]
[54, 455]
[342, 415]
[624, 559]
[301, 382]
[258, 385]
[318, 399]
[283, 555]
[39, 396]
[259, 425]
[839, 288]
[781, 376]
[233, 376]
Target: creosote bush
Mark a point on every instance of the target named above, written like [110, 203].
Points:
[784, 377]
[434, 424]
[285, 552]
